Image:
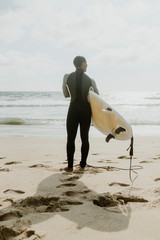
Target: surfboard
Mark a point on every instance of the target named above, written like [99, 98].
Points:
[107, 120]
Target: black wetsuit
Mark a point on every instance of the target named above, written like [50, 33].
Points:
[79, 114]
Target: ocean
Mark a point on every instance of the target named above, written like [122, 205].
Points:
[43, 114]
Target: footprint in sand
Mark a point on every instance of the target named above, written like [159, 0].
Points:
[157, 158]
[10, 215]
[123, 157]
[157, 179]
[8, 200]
[69, 202]
[70, 193]
[106, 200]
[21, 233]
[94, 169]
[75, 193]
[14, 191]
[9, 232]
[74, 178]
[126, 199]
[10, 163]
[120, 184]
[2, 157]
[47, 204]
[39, 166]
[110, 161]
[4, 170]
[66, 185]
[37, 201]
[145, 161]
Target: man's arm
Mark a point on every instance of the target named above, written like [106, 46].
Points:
[95, 87]
[64, 86]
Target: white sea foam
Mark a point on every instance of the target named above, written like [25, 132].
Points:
[27, 113]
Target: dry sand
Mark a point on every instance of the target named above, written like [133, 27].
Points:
[38, 201]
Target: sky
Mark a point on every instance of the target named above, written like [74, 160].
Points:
[119, 38]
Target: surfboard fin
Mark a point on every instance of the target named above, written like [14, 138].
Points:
[109, 137]
[119, 130]
[109, 109]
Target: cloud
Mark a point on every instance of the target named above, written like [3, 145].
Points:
[115, 56]
[73, 26]
[21, 63]
[113, 33]
[13, 24]
[121, 33]
[25, 70]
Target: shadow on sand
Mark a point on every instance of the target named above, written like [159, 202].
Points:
[66, 195]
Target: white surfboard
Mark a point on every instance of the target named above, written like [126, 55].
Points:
[107, 120]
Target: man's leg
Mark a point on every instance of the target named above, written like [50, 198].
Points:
[84, 132]
[72, 126]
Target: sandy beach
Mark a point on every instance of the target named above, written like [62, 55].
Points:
[39, 201]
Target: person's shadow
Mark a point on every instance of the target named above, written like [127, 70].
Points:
[66, 195]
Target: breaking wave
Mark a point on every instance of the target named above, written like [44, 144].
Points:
[24, 121]
[61, 122]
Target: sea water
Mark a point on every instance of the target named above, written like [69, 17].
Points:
[43, 114]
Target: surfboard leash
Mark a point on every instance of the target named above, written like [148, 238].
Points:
[131, 156]
[131, 168]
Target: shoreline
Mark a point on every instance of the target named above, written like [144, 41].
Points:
[60, 133]
[37, 198]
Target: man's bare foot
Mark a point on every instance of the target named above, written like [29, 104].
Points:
[67, 169]
[79, 170]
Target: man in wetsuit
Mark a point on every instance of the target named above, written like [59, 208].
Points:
[76, 85]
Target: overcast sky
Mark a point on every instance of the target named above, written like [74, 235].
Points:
[119, 38]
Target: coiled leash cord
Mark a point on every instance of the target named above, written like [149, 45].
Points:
[130, 169]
